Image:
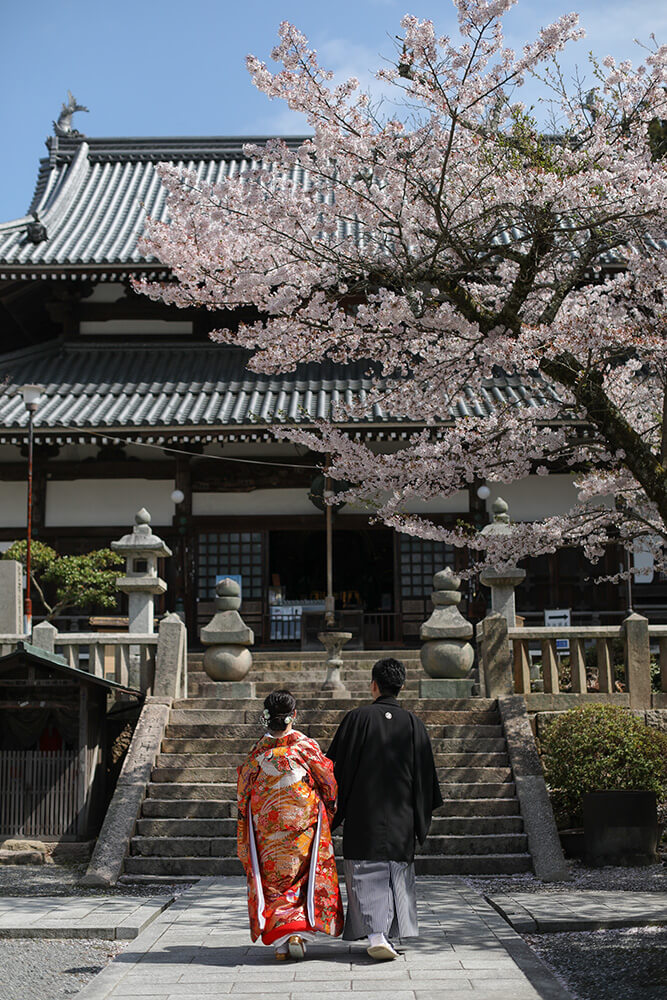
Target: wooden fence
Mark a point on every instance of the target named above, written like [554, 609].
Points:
[39, 793]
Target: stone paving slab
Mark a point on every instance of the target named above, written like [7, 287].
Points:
[585, 910]
[107, 917]
[200, 947]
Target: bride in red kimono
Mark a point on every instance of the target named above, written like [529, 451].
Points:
[286, 801]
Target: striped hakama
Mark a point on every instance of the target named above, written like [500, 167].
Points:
[381, 899]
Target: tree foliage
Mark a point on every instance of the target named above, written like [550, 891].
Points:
[66, 582]
[460, 248]
[602, 748]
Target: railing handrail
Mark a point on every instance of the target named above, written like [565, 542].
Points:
[105, 638]
[570, 632]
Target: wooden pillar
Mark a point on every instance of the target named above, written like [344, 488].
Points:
[82, 764]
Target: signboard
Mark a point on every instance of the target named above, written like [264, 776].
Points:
[559, 618]
[643, 561]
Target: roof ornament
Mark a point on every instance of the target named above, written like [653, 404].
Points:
[63, 127]
[36, 230]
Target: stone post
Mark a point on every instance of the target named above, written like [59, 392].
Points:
[141, 582]
[637, 661]
[227, 637]
[447, 656]
[44, 636]
[11, 597]
[333, 642]
[496, 661]
[502, 582]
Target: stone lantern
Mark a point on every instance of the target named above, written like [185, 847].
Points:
[447, 655]
[227, 637]
[141, 582]
[502, 582]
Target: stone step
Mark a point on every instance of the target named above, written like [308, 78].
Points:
[227, 790]
[199, 867]
[171, 827]
[478, 807]
[251, 733]
[478, 790]
[467, 732]
[333, 704]
[232, 760]
[181, 790]
[441, 826]
[487, 864]
[173, 809]
[225, 846]
[241, 747]
[194, 775]
[217, 716]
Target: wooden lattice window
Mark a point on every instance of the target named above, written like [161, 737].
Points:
[237, 553]
[419, 559]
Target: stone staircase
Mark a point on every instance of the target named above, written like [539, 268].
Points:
[188, 821]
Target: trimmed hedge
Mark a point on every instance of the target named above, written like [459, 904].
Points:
[600, 748]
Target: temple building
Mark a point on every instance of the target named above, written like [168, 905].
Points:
[141, 409]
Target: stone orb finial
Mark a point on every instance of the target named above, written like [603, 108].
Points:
[446, 588]
[228, 595]
[500, 510]
[142, 517]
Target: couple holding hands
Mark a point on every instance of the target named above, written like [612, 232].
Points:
[378, 778]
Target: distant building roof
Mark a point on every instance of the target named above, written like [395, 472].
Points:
[93, 195]
[203, 391]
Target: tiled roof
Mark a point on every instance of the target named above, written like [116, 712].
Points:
[203, 390]
[93, 196]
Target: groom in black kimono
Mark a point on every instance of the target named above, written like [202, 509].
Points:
[387, 791]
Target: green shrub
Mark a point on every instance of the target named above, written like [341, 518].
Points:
[600, 748]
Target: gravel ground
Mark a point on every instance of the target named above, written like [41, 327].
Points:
[62, 880]
[51, 970]
[628, 964]
[652, 878]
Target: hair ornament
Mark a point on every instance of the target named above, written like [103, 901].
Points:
[266, 718]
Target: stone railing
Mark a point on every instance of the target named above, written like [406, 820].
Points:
[128, 658]
[506, 662]
[171, 682]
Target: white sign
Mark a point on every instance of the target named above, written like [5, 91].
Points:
[559, 618]
[643, 562]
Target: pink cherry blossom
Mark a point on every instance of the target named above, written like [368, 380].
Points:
[445, 243]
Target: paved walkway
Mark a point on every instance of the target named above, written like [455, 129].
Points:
[585, 910]
[108, 917]
[199, 947]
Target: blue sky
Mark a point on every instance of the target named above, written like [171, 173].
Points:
[176, 67]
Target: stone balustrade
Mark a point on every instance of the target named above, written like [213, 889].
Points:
[619, 669]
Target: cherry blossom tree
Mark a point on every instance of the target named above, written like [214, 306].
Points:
[447, 240]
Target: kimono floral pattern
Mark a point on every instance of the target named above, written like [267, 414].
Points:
[287, 789]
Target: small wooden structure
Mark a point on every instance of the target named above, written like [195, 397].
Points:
[52, 745]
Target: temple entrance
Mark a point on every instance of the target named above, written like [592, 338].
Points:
[363, 565]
